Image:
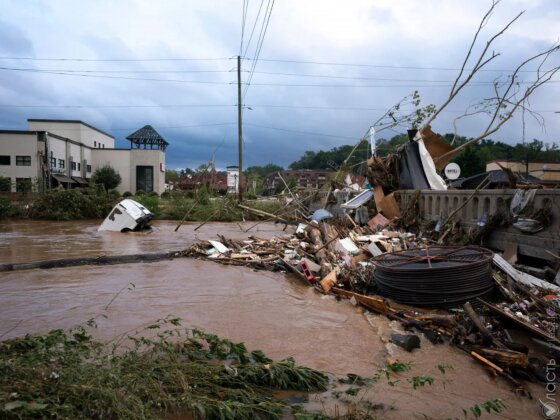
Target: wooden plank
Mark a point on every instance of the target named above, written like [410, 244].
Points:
[521, 277]
[520, 322]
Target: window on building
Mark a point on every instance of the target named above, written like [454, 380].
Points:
[5, 160]
[88, 168]
[73, 166]
[104, 146]
[94, 143]
[23, 185]
[145, 178]
[79, 166]
[61, 163]
[53, 162]
[23, 160]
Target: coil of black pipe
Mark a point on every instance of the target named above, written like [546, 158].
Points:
[435, 276]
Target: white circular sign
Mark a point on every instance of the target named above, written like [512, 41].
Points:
[452, 171]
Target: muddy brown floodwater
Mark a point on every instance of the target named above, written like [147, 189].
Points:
[269, 311]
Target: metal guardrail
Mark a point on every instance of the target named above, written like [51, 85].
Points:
[433, 204]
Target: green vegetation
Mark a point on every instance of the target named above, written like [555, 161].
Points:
[5, 184]
[171, 175]
[334, 158]
[69, 375]
[106, 176]
[80, 203]
[490, 406]
[6, 208]
[443, 367]
[418, 381]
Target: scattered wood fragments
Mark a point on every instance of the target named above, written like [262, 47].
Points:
[334, 256]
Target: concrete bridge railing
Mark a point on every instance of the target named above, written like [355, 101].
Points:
[433, 204]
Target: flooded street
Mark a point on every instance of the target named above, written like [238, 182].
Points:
[268, 311]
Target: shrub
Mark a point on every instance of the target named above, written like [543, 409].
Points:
[5, 184]
[127, 194]
[114, 194]
[140, 192]
[153, 194]
[81, 203]
[165, 195]
[106, 176]
[6, 208]
[150, 202]
[203, 195]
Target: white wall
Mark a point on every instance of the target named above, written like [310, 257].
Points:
[147, 157]
[75, 131]
[125, 161]
[119, 160]
[19, 144]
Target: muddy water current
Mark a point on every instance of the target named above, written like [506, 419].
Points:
[270, 311]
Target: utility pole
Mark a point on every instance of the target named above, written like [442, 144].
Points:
[239, 131]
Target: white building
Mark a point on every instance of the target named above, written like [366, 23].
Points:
[232, 179]
[67, 152]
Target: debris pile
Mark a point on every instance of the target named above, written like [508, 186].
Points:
[463, 295]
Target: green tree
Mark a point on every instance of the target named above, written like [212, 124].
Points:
[106, 176]
[172, 175]
[263, 171]
[470, 162]
[335, 157]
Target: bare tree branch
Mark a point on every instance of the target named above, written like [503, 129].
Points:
[509, 96]
[481, 61]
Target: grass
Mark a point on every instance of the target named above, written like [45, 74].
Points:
[218, 209]
[67, 374]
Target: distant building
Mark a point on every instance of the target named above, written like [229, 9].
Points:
[546, 172]
[66, 153]
[304, 179]
[212, 179]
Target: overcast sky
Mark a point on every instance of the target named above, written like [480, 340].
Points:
[184, 81]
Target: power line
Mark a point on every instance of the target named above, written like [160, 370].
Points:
[471, 84]
[113, 59]
[248, 58]
[77, 73]
[384, 66]
[119, 71]
[117, 106]
[135, 128]
[244, 13]
[264, 28]
[113, 77]
[373, 78]
[253, 106]
[253, 30]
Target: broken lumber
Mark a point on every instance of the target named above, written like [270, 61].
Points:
[520, 322]
[504, 357]
[486, 335]
[520, 277]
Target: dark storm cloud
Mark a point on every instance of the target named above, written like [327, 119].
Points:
[433, 36]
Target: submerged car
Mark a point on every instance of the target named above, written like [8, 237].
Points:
[126, 216]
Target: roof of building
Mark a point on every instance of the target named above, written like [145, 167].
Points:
[490, 177]
[17, 132]
[148, 135]
[520, 161]
[70, 122]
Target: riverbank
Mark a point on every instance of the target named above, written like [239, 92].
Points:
[95, 202]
